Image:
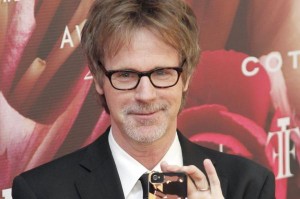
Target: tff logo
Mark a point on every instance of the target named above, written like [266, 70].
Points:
[284, 148]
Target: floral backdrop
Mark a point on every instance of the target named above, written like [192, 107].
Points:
[244, 98]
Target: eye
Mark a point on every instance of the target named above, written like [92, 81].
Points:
[164, 73]
[124, 76]
[161, 72]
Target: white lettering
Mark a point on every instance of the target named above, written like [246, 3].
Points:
[247, 72]
[284, 151]
[66, 38]
[6, 194]
[294, 55]
[273, 62]
[88, 76]
[78, 30]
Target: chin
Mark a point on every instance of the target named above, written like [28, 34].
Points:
[146, 134]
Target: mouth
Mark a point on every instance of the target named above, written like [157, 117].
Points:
[144, 115]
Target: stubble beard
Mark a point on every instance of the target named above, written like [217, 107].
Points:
[145, 130]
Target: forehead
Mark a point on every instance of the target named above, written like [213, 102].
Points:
[144, 50]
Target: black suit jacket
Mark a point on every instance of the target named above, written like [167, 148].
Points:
[90, 173]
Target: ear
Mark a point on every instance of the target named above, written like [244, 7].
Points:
[187, 83]
[99, 88]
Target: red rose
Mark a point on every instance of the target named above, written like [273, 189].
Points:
[228, 109]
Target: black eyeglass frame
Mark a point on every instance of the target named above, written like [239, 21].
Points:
[108, 74]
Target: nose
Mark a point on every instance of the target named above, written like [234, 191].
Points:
[145, 91]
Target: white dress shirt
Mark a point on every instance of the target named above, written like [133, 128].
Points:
[130, 170]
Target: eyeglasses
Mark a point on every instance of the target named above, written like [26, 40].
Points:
[130, 79]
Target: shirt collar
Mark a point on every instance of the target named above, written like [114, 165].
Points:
[130, 170]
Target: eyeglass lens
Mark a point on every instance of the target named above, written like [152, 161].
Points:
[161, 78]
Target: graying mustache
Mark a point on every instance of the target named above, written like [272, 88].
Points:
[144, 108]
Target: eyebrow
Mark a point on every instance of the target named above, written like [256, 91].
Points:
[126, 68]
[133, 70]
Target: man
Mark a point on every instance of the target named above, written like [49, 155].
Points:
[142, 54]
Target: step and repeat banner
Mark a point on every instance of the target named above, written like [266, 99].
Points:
[244, 98]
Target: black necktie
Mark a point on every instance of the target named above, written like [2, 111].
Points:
[144, 181]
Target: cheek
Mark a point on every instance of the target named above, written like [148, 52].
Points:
[117, 100]
[174, 97]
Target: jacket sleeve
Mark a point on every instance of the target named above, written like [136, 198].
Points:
[21, 189]
[268, 188]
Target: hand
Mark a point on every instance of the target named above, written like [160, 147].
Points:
[198, 186]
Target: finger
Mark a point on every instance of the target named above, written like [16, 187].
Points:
[197, 177]
[165, 167]
[212, 175]
[192, 187]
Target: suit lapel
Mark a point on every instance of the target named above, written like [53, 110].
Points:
[195, 155]
[101, 179]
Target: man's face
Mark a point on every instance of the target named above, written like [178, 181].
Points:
[145, 113]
